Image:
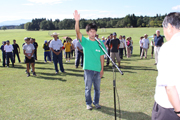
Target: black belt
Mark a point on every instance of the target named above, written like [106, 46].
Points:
[56, 50]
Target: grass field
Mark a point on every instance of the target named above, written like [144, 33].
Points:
[61, 97]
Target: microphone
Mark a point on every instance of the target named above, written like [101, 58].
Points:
[97, 40]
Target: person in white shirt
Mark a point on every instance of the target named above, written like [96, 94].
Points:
[74, 42]
[141, 46]
[167, 92]
[8, 48]
[145, 44]
[121, 47]
[56, 47]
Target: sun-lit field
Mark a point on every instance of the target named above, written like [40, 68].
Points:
[61, 97]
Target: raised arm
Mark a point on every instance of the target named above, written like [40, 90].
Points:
[77, 18]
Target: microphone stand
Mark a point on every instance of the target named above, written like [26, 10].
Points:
[114, 81]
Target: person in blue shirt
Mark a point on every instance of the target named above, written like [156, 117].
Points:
[3, 53]
[158, 42]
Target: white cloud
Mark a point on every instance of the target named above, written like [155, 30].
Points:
[46, 1]
[28, 4]
[176, 7]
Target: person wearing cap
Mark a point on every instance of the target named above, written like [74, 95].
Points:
[16, 50]
[115, 43]
[46, 51]
[108, 48]
[56, 47]
[28, 50]
[145, 44]
[167, 91]
[124, 38]
[3, 53]
[158, 42]
[8, 48]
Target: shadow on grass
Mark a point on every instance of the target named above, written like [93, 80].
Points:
[125, 114]
[139, 68]
[50, 78]
[75, 70]
[44, 68]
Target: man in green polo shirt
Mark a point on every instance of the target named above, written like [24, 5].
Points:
[93, 61]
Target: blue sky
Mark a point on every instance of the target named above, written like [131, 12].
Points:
[61, 9]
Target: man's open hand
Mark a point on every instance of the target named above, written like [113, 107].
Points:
[76, 15]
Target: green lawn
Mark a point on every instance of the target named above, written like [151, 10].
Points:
[61, 97]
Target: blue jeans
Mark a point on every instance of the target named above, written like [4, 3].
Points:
[56, 59]
[89, 78]
[47, 54]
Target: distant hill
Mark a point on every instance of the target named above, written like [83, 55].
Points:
[14, 22]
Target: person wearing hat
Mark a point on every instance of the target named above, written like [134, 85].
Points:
[16, 50]
[46, 51]
[145, 44]
[56, 47]
[8, 48]
[3, 53]
[115, 43]
[28, 49]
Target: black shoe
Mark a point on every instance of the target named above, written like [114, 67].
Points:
[12, 65]
[119, 66]
[76, 66]
[155, 64]
[28, 74]
[107, 65]
[34, 73]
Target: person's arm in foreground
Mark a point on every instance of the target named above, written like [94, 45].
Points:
[173, 97]
[102, 65]
[77, 18]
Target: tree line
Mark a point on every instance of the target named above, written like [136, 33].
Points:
[129, 20]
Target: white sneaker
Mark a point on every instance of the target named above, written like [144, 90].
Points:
[66, 61]
[88, 107]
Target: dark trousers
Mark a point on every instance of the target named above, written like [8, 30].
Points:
[35, 54]
[4, 58]
[125, 52]
[68, 54]
[9, 55]
[78, 56]
[141, 51]
[107, 62]
[56, 59]
[72, 52]
[47, 54]
[121, 53]
[17, 54]
[160, 113]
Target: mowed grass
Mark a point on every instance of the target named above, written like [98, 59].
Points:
[61, 97]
